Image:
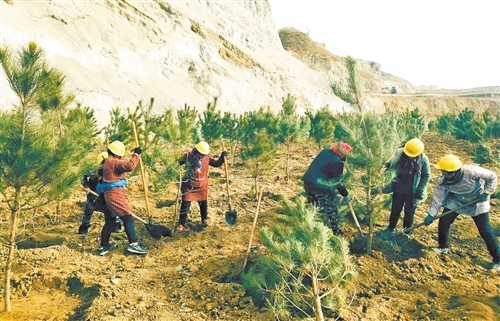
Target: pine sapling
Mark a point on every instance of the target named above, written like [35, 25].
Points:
[291, 129]
[306, 271]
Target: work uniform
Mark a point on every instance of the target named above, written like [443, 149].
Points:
[326, 168]
[88, 181]
[473, 182]
[94, 202]
[116, 197]
[194, 185]
[409, 187]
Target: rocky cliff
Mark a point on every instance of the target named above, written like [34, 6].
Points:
[116, 53]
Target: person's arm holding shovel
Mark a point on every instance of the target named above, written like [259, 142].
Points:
[219, 161]
[438, 199]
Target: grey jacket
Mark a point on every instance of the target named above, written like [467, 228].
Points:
[475, 182]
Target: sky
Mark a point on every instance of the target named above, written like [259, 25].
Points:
[452, 44]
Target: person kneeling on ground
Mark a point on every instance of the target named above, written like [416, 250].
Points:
[459, 185]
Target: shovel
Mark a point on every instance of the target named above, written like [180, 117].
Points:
[406, 230]
[231, 216]
[355, 219]
[253, 228]
[156, 231]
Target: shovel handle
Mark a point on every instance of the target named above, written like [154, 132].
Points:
[355, 219]
[143, 178]
[140, 219]
[435, 218]
[93, 193]
[227, 179]
[253, 228]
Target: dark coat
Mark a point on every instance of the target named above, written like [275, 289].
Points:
[421, 175]
[322, 172]
[194, 186]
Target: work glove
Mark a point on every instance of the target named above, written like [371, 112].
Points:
[428, 219]
[85, 181]
[342, 190]
[223, 154]
[419, 195]
[138, 150]
[484, 197]
[387, 189]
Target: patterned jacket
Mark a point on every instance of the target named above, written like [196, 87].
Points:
[194, 186]
[114, 170]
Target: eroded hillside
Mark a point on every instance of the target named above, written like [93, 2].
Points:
[116, 53]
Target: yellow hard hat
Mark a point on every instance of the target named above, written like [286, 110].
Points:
[449, 163]
[117, 148]
[413, 147]
[102, 156]
[203, 148]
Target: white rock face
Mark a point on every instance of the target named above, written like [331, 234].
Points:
[116, 53]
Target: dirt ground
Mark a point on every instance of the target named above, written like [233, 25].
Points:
[194, 275]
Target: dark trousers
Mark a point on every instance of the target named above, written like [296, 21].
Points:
[328, 208]
[90, 205]
[398, 202]
[186, 205]
[483, 225]
[110, 224]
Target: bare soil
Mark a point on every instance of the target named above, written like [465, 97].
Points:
[194, 275]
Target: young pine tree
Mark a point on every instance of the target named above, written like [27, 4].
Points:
[443, 124]
[291, 129]
[231, 132]
[322, 126]
[306, 269]
[118, 127]
[411, 124]
[159, 167]
[188, 125]
[258, 142]
[178, 132]
[469, 126]
[41, 148]
[374, 139]
[211, 124]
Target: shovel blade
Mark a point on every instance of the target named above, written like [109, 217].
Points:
[157, 231]
[231, 217]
